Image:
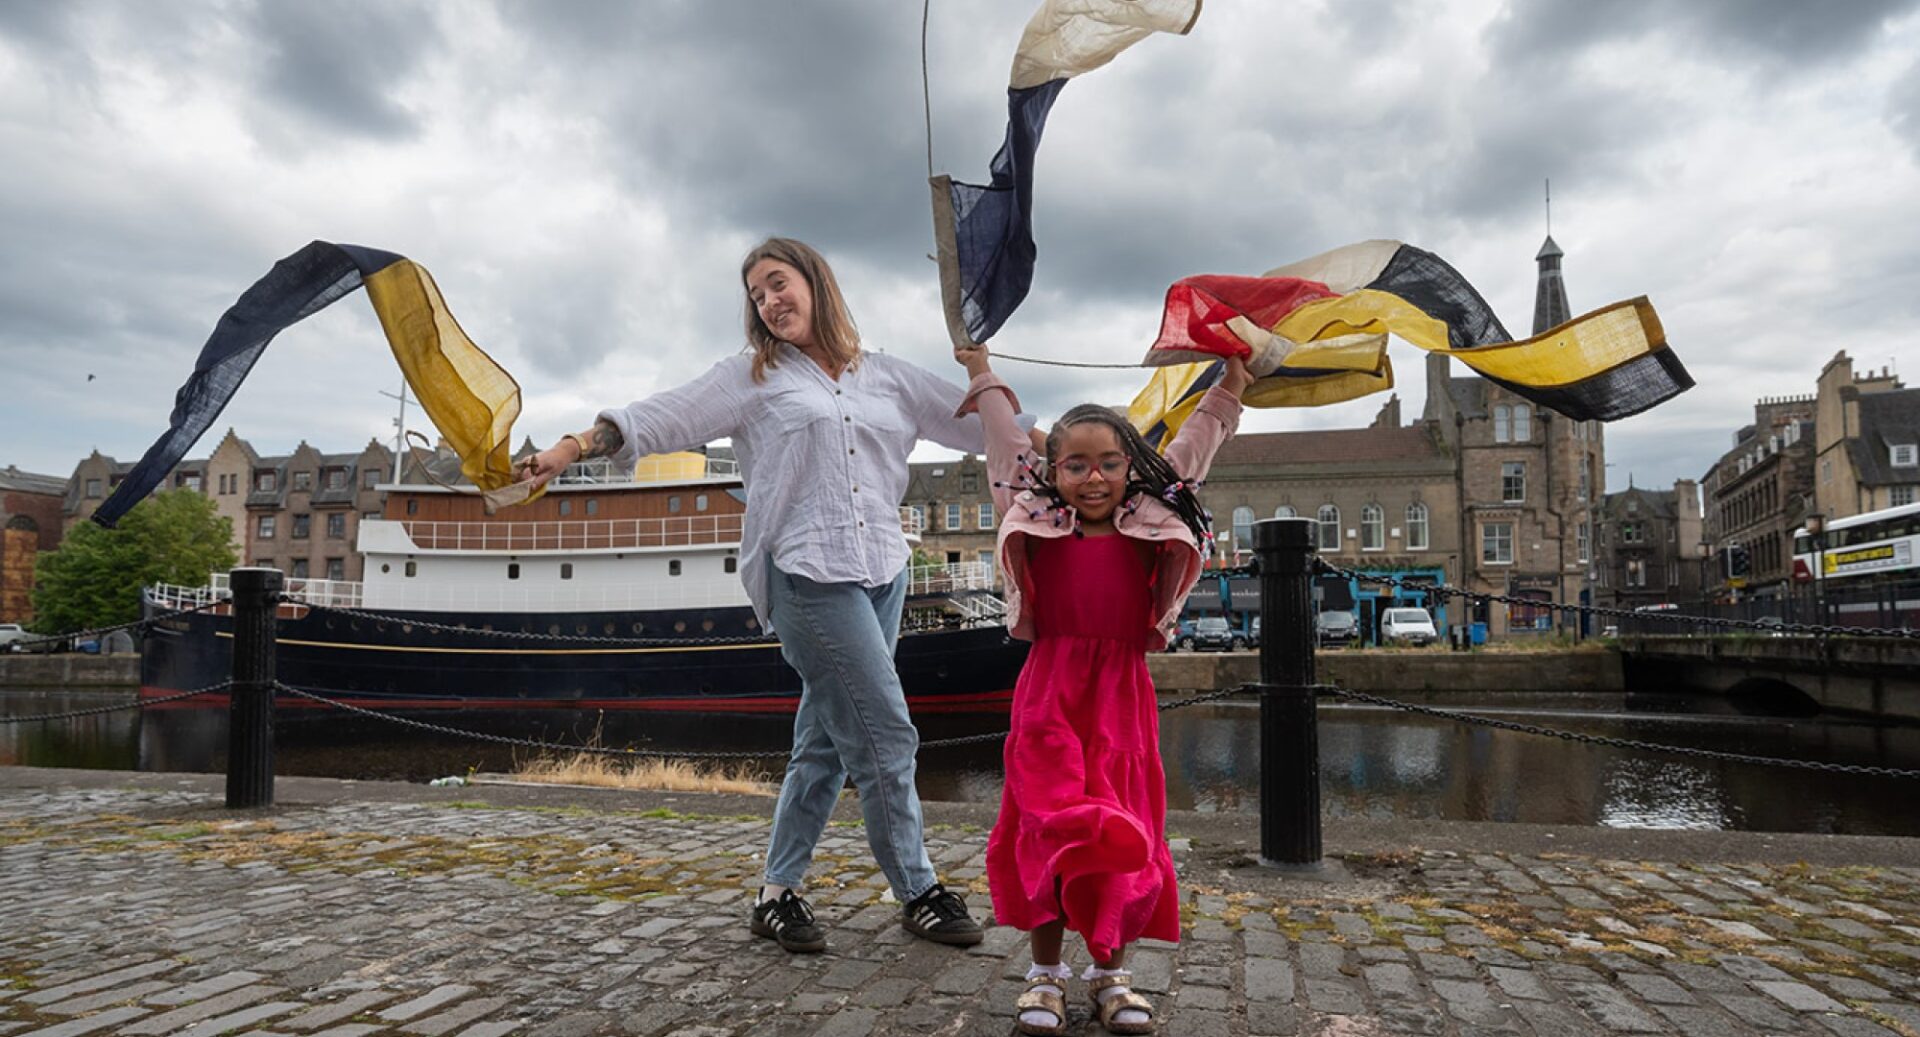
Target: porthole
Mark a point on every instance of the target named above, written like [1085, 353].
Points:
[580, 629]
[639, 628]
[609, 629]
[753, 623]
[554, 629]
[385, 568]
[706, 625]
[679, 626]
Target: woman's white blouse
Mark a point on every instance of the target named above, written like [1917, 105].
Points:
[825, 462]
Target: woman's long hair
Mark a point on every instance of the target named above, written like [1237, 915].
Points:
[1148, 472]
[833, 327]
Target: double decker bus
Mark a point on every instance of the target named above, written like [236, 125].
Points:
[1867, 565]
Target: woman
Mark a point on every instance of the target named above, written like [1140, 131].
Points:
[822, 430]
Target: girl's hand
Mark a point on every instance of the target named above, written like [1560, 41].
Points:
[1237, 377]
[550, 462]
[974, 358]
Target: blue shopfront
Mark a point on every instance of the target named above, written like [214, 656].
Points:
[1370, 601]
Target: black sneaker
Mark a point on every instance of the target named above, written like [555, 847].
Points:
[940, 915]
[789, 921]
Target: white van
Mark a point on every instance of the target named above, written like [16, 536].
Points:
[1412, 626]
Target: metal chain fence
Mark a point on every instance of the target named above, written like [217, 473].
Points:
[137, 703]
[97, 632]
[1447, 590]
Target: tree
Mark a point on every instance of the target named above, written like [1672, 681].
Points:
[94, 578]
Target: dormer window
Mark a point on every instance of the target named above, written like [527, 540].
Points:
[1905, 455]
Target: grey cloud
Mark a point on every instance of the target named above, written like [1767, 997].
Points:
[1789, 33]
[1903, 108]
[337, 63]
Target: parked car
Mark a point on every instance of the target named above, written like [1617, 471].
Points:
[10, 636]
[1182, 637]
[1212, 634]
[1408, 625]
[1253, 633]
[1335, 627]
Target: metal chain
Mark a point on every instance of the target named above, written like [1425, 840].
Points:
[1817, 629]
[529, 635]
[141, 624]
[1618, 743]
[137, 703]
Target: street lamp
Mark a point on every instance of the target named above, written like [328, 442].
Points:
[1817, 531]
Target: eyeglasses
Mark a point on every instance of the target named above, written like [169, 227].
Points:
[1112, 469]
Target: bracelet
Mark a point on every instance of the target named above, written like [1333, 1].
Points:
[580, 440]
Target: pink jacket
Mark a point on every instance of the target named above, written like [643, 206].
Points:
[1177, 556]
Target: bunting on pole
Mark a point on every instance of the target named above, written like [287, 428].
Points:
[471, 399]
[984, 232]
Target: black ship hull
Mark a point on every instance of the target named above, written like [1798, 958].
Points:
[682, 661]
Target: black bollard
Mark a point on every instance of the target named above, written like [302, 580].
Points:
[256, 594]
[1289, 732]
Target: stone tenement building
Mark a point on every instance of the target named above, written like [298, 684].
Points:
[1757, 494]
[1867, 441]
[298, 513]
[29, 524]
[1484, 491]
[1648, 547]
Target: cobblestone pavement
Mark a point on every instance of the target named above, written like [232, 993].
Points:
[150, 912]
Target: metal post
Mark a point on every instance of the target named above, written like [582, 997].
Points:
[1289, 735]
[250, 713]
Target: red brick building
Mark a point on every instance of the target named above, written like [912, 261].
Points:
[29, 524]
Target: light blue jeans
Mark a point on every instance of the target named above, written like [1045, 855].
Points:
[852, 721]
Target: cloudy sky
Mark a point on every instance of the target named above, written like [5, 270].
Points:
[582, 179]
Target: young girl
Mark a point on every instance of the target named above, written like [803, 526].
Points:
[1098, 548]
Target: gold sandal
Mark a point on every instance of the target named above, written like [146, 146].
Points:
[1037, 1000]
[1112, 1005]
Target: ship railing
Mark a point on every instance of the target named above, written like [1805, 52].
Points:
[173, 597]
[574, 535]
[474, 602]
[953, 578]
[913, 521]
[343, 594]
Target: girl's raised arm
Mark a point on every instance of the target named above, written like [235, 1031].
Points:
[1008, 445]
[1213, 422]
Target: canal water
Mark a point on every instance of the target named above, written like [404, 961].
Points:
[1374, 763]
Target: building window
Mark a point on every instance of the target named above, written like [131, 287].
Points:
[566, 570]
[1285, 511]
[301, 481]
[700, 502]
[1416, 526]
[985, 516]
[986, 559]
[370, 478]
[1584, 538]
[1586, 479]
[593, 505]
[953, 516]
[566, 506]
[953, 558]
[1632, 533]
[513, 570]
[1373, 532]
[190, 481]
[299, 568]
[1513, 481]
[1826, 471]
[1329, 528]
[302, 524]
[1503, 424]
[919, 516]
[265, 527]
[1496, 543]
[336, 478]
[969, 482]
[336, 568]
[1899, 495]
[1904, 455]
[337, 525]
[673, 567]
[1636, 573]
[1243, 528]
[265, 482]
[413, 505]
[732, 564]
[1522, 423]
[673, 505]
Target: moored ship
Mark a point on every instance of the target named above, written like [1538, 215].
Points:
[612, 592]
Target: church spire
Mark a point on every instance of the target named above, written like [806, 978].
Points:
[1550, 307]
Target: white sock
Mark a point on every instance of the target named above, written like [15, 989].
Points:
[1041, 1017]
[1125, 1015]
[770, 893]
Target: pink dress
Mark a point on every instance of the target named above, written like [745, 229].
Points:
[1085, 798]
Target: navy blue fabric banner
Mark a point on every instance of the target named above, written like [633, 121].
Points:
[993, 223]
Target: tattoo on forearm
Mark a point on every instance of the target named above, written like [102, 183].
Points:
[605, 440]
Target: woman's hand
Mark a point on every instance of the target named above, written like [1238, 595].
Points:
[974, 358]
[1237, 377]
[543, 466]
